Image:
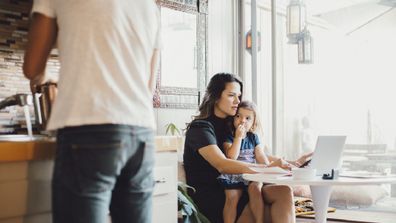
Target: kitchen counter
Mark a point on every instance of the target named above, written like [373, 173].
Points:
[45, 149]
[26, 173]
[30, 150]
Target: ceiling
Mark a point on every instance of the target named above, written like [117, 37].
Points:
[318, 7]
[348, 16]
[354, 15]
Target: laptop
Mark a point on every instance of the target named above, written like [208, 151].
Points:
[327, 154]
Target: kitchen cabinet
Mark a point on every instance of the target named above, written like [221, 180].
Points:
[165, 190]
[25, 191]
[25, 181]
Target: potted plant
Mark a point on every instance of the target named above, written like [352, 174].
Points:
[172, 129]
[186, 206]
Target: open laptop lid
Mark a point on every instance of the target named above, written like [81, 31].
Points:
[327, 154]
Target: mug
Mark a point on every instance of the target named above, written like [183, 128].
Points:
[303, 173]
[44, 96]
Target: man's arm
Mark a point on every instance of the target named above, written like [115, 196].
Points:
[153, 70]
[41, 38]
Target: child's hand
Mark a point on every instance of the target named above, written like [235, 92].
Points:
[282, 164]
[240, 132]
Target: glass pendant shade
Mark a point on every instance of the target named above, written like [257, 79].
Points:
[249, 40]
[296, 19]
[305, 48]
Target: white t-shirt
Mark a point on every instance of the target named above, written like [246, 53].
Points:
[105, 50]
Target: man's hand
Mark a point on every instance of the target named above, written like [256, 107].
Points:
[37, 80]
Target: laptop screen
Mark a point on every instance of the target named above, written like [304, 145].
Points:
[327, 154]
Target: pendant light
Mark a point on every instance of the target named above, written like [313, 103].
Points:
[249, 41]
[296, 19]
[305, 47]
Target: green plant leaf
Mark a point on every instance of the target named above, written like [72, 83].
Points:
[172, 129]
[186, 204]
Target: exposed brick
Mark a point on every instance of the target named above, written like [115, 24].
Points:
[12, 80]
[14, 23]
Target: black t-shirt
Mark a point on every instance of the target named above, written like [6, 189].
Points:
[209, 195]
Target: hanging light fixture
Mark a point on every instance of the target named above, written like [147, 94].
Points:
[296, 19]
[249, 41]
[305, 47]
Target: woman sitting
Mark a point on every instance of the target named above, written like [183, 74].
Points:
[204, 157]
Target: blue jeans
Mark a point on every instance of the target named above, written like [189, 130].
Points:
[102, 168]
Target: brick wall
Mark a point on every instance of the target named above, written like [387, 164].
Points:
[12, 82]
[14, 23]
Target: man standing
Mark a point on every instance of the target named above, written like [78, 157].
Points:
[103, 112]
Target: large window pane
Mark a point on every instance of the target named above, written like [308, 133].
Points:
[348, 90]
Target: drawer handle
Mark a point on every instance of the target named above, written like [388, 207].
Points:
[160, 181]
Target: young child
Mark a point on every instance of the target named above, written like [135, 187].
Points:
[244, 146]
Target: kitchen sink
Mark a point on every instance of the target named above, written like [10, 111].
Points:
[24, 138]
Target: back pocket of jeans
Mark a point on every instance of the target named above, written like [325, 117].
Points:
[97, 165]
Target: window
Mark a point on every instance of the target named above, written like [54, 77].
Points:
[348, 90]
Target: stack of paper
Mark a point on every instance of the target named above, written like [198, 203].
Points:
[276, 171]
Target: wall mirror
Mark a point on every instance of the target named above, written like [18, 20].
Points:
[182, 73]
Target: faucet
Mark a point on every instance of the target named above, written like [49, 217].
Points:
[17, 99]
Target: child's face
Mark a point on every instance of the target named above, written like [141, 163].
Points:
[244, 117]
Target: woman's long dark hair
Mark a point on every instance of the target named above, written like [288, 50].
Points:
[216, 86]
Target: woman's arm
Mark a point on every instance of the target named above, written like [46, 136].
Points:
[298, 162]
[260, 155]
[218, 160]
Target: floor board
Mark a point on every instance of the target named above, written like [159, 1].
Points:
[355, 216]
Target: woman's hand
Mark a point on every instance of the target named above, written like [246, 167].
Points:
[304, 158]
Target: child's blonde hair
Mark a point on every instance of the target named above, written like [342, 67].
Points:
[251, 106]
